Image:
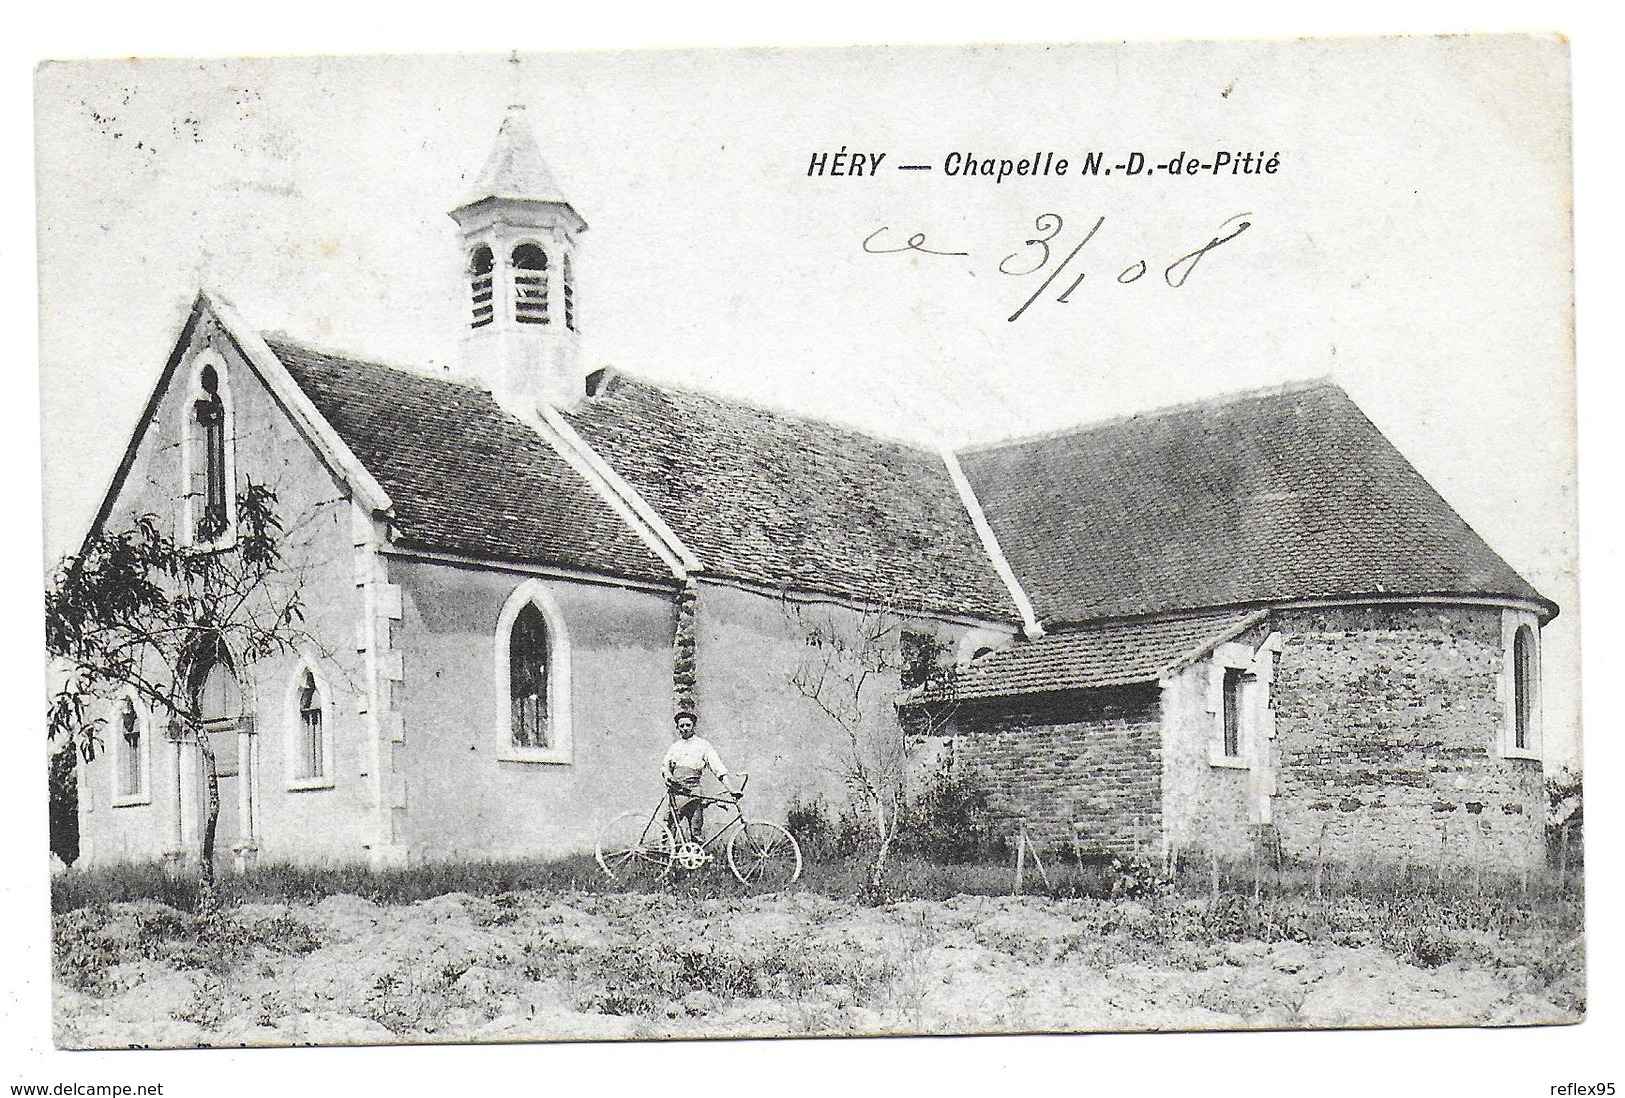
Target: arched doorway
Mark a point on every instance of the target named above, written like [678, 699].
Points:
[218, 701]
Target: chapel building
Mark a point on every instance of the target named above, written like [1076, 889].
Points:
[1187, 630]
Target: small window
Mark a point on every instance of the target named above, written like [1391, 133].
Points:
[311, 759]
[530, 284]
[527, 679]
[1234, 681]
[131, 776]
[210, 412]
[569, 295]
[1238, 700]
[1523, 689]
[309, 762]
[481, 264]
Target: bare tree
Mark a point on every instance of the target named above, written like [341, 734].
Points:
[136, 611]
[857, 666]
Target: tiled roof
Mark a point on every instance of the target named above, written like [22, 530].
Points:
[1111, 654]
[1288, 495]
[463, 474]
[774, 499]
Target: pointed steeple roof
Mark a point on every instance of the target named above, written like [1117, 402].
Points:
[515, 169]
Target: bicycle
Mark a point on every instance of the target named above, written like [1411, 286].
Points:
[639, 847]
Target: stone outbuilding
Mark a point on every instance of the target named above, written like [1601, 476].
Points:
[1260, 622]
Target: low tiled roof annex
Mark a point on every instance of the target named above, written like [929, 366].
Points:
[1117, 653]
[1287, 495]
[781, 501]
[465, 476]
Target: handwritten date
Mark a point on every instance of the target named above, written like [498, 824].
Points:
[1036, 253]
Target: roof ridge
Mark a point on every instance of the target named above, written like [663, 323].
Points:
[1218, 400]
[282, 339]
[764, 409]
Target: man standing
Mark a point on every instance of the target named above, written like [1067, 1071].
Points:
[685, 761]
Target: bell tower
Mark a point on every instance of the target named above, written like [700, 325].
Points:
[519, 236]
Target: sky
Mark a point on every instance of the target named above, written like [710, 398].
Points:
[1412, 242]
[1451, 344]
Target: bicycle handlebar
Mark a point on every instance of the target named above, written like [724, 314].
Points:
[675, 787]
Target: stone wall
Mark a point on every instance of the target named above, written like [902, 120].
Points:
[1083, 766]
[1389, 724]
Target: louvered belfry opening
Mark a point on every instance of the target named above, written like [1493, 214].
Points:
[569, 295]
[481, 265]
[530, 284]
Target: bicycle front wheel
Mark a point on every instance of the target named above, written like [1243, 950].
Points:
[636, 848]
[764, 855]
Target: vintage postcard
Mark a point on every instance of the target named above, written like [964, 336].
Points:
[640, 545]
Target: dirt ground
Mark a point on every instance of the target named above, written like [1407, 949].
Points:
[542, 966]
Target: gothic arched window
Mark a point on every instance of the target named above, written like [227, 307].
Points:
[131, 757]
[310, 759]
[210, 412]
[530, 284]
[1523, 689]
[532, 678]
[481, 264]
[527, 679]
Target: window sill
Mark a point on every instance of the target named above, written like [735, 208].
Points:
[301, 785]
[1228, 762]
[550, 755]
[132, 800]
[1525, 754]
[220, 544]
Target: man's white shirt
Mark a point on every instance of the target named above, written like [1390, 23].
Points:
[687, 758]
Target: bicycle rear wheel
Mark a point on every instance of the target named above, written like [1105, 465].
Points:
[636, 848]
[764, 855]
